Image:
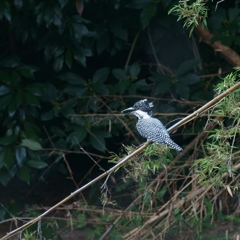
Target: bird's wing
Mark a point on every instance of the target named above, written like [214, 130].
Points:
[152, 129]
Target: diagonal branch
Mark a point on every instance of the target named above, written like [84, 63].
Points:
[231, 56]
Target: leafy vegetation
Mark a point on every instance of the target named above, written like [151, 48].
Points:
[194, 13]
[68, 68]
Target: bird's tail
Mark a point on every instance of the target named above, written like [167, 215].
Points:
[174, 145]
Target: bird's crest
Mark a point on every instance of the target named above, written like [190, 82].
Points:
[144, 105]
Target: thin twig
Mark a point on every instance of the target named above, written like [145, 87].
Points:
[131, 50]
[81, 148]
[69, 170]
[160, 66]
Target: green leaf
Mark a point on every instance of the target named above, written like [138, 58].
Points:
[58, 63]
[123, 86]
[33, 145]
[135, 70]
[68, 107]
[2, 212]
[186, 66]
[31, 126]
[8, 140]
[68, 58]
[119, 74]
[57, 131]
[78, 134]
[30, 134]
[98, 142]
[5, 10]
[75, 90]
[101, 75]
[79, 57]
[31, 99]
[100, 88]
[77, 30]
[4, 90]
[57, 17]
[5, 177]
[20, 155]
[233, 13]
[16, 130]
[5, 101]
[26, 73]
[57, 51]
[18, 99]
[22, 114]
[12, 171]
[18, 4]
[183, 90]
[48, 16]
[10, 62]
[37, 164]
[142, 85]
[189, 79]
[15, 78]
[162, 192]
[147, 14]
[39, 18]
[63, 3]
[102, 43]
[24, 174]
[162, 87]
[86, 51]
[12, 108]
[94, 104]
[48, 115]
[8, 157]
[132, 89]
[33, 112]
[35, 89]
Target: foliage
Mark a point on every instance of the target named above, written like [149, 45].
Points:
[194, 13]
[224, 24]
[149, 161]
[223, 142]
[46, 81]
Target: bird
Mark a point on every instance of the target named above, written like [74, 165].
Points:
[149, 127]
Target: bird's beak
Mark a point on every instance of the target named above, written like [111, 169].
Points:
[128, 110]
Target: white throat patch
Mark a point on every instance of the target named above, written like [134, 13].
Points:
[141, 115]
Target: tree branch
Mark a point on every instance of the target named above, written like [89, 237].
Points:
[231, 56]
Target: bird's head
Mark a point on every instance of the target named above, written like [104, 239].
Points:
[141, 109]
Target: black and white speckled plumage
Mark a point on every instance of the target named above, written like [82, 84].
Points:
[153, 129]
[149, 127]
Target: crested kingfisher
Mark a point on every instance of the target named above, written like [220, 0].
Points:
[149, 127]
